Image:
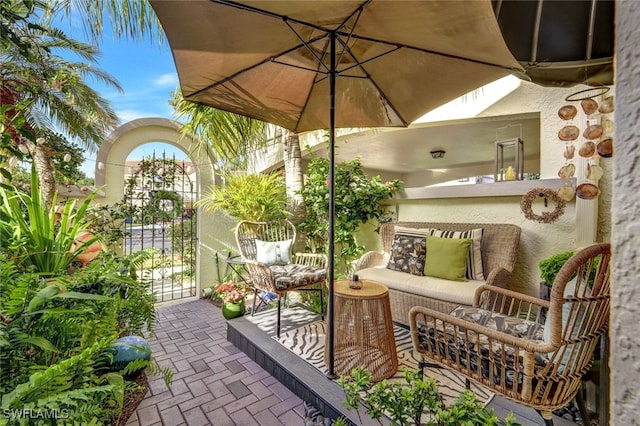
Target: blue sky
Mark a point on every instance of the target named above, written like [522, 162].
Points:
[146, 72]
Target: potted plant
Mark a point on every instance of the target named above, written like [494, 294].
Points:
[232, 295]
[549, 268]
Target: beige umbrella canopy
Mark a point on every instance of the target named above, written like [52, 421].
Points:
[395, 60]
[307, 65]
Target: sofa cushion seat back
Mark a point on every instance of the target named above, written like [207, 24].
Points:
[499, 249]
[500, 343]
[266, 248]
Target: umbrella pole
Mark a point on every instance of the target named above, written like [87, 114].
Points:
[332, 175]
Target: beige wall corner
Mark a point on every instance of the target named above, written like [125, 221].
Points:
[625, 306]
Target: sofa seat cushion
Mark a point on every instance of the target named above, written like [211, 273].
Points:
[436, 288]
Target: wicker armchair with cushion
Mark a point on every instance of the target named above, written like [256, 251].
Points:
[498, 342]
[266, 248]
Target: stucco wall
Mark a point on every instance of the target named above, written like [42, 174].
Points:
[625, 311]
[573, 230]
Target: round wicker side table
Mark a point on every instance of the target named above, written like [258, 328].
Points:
[363, 330]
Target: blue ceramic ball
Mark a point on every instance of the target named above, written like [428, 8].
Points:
[127, 349]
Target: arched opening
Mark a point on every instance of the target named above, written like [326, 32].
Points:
[159, 196]
[148, 167]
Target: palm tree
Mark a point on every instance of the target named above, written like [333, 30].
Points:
[225, 137]
[293, 176]
[229, 138]
[127, 19]
[42, 91]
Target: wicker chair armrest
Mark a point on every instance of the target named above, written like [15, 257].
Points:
[318, 260]
[499, 277]
[369, 260]
[431, 317]
[260, 275]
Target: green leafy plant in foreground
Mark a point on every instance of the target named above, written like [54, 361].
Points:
[55, 335]
[58, 321]
[409, 402]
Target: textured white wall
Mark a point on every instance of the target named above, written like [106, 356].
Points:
[625, 311]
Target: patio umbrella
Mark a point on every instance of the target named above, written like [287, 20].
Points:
[307, 65]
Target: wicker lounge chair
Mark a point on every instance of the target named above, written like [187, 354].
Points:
[266, 248]
[499, 344]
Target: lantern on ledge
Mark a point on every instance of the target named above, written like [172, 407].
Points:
[509, 169]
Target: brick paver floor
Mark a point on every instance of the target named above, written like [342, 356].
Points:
[214, 383]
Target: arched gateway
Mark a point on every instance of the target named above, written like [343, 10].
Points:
[183, 254]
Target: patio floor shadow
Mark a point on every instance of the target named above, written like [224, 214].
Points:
[235, 373]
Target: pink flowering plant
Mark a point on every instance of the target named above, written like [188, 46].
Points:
[231, 292]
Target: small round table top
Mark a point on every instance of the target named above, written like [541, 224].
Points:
[235, 260]
[370, 289]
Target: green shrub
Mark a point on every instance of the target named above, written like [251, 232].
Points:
[58, 321]
[405, 402]
[550, 267]
[249, 197]
[357, 200]
[38, 237]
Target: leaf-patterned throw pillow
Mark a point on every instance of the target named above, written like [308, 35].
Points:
[408, 251]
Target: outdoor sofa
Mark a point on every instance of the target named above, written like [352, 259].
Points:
[401, 268]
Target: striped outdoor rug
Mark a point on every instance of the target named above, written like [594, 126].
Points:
[307, 342]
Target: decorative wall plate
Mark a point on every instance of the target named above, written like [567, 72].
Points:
[569, 133]
[567, 112]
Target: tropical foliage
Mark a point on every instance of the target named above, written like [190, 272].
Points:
[40, 237]
[248, 197]
[414, 401]
[58, 320]
[357, 200]
[41, 89]
[226, 138]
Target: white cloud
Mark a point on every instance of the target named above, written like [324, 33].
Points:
[136, 110]
[128, 115]
[166, 80]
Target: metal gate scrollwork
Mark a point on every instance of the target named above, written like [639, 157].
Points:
[160, 197]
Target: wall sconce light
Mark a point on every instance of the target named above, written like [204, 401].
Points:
[437, 153]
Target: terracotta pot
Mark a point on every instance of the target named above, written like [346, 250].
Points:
[90, 252]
